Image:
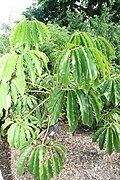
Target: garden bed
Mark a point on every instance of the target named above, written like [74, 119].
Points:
[84, 159]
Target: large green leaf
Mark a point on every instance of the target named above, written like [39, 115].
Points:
[98, 133]
[55, 105]
[11, 134]
[64, 69]
[71, 110]
[31, 161]
[19, 81]
[5, 96]
[22, 159]
[84, 107]
[102, 138]
[96, 103]
[43, 161]
[77, 67]
[109, 137]
[111, 90]
[20, 132]
[109, 141]
[8, 66]
[85, 39]
[27, 34]
[83, 65]
[116, 137]
[48, 166]
[107, 46]
[82, 38]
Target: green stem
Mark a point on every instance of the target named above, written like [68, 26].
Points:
[35, 108]
[47, 130]
[38, 91]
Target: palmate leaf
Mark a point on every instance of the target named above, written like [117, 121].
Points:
[90, 107]
[55, 105]
[106, 47]
[82, 39]
[83, 65]
[110, 89]
[90, 103]
[15, 70]
[85, 39]
[19, 133]
[28, 34]
[109, 137]
[42, 161]
[101, 62]
[35, 61]
[12, 79]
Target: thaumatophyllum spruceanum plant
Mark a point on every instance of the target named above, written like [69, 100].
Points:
[33, 96]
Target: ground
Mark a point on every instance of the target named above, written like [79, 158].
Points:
[84, 159]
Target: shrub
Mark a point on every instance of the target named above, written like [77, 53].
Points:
[34, 95]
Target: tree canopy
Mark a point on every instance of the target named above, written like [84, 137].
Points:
[50, 10]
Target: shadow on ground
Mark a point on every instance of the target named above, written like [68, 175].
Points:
[5, 160]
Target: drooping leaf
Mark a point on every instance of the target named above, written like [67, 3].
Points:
[102, 139]
[43, 173]
[36, 163]
[27, 34]
[48, 166]
[22, 159]
[77, 70]
[116, 138]
[19, 81]
[64, 69]
[55, 165]
[111, 90]
[87, 40]
[14, 92]
[109, 48]
[43, 161]
[71, 110]
[31, 161]
[55, 105]
[83, 65]
[9, 66]
[11, 133]
[96, 103]
[109, 141]
[84, 107]
[97, 133]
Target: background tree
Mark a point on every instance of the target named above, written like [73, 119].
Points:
[50, 10]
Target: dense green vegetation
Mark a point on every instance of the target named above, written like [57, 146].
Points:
[4, 39]
[51, 70]
[56, 10]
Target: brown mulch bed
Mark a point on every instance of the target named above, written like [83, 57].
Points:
[84, 160]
